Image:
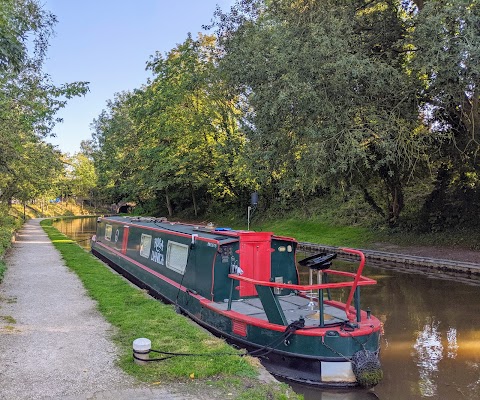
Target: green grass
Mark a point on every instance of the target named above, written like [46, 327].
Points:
[309, 230]
[134, 314]
[318, 232]
[463, 239]
[8, 319]
[322, 232]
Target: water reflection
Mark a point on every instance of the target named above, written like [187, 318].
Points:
[431, 345]
[452, 342]
[78, 229]
[475, 387]
[429, 352]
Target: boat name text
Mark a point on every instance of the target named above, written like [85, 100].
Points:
[158, 255]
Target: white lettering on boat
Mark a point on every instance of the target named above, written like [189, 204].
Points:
[157, 253]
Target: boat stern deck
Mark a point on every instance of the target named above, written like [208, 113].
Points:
[293, 306]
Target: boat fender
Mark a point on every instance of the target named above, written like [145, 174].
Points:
[366, 368]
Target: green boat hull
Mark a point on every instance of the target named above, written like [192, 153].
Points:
[190, 268]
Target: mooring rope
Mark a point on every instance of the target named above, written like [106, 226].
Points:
[289, 331]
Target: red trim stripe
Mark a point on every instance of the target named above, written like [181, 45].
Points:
[363, 282]
[125, 239]
[364, 328]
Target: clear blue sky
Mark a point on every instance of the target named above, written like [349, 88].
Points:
[107, 43]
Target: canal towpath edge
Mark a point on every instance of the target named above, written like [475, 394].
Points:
[53, 341]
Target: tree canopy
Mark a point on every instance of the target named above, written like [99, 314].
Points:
[176, 139]
[28, 101]
[299, 99]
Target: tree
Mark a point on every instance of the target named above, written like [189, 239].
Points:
[18, 20]
[83, 176]
[175, 140]
[195, 123]
[328, 99]
[28, 99]
[115, 148]
[444, 39]
[32, 172]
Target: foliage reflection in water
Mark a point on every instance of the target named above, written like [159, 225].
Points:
[78, 229]
[431, 345]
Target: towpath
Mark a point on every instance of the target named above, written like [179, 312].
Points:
[54, 344]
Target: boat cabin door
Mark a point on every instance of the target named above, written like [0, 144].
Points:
[255, 259]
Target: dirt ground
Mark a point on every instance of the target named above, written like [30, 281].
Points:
[438, 252]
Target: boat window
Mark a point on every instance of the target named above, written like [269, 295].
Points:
[177, 256]
[108, 232]
[145, 245]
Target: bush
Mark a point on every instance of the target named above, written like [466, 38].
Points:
[8, 225]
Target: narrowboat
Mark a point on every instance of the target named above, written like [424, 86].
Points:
[244, 286]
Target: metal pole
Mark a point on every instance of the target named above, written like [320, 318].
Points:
[357, 304]
[320, 299]
[311, 304]
[320, 308]
[325, 280]
[248, 217]
[229, 306]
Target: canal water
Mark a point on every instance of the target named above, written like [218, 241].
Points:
[79, 229]
[431, 345]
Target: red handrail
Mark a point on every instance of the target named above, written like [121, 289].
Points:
[364, 281]
[355, 281]
[358, 280]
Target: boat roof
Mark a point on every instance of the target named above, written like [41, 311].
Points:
[222, 235]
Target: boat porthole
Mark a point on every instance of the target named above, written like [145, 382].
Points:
[286, 342]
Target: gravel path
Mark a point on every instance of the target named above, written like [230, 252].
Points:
[54, 344]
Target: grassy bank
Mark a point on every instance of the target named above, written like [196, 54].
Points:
[312, 231]
[323, 231]
[318, 232]
[134, 314]
[307, 230]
